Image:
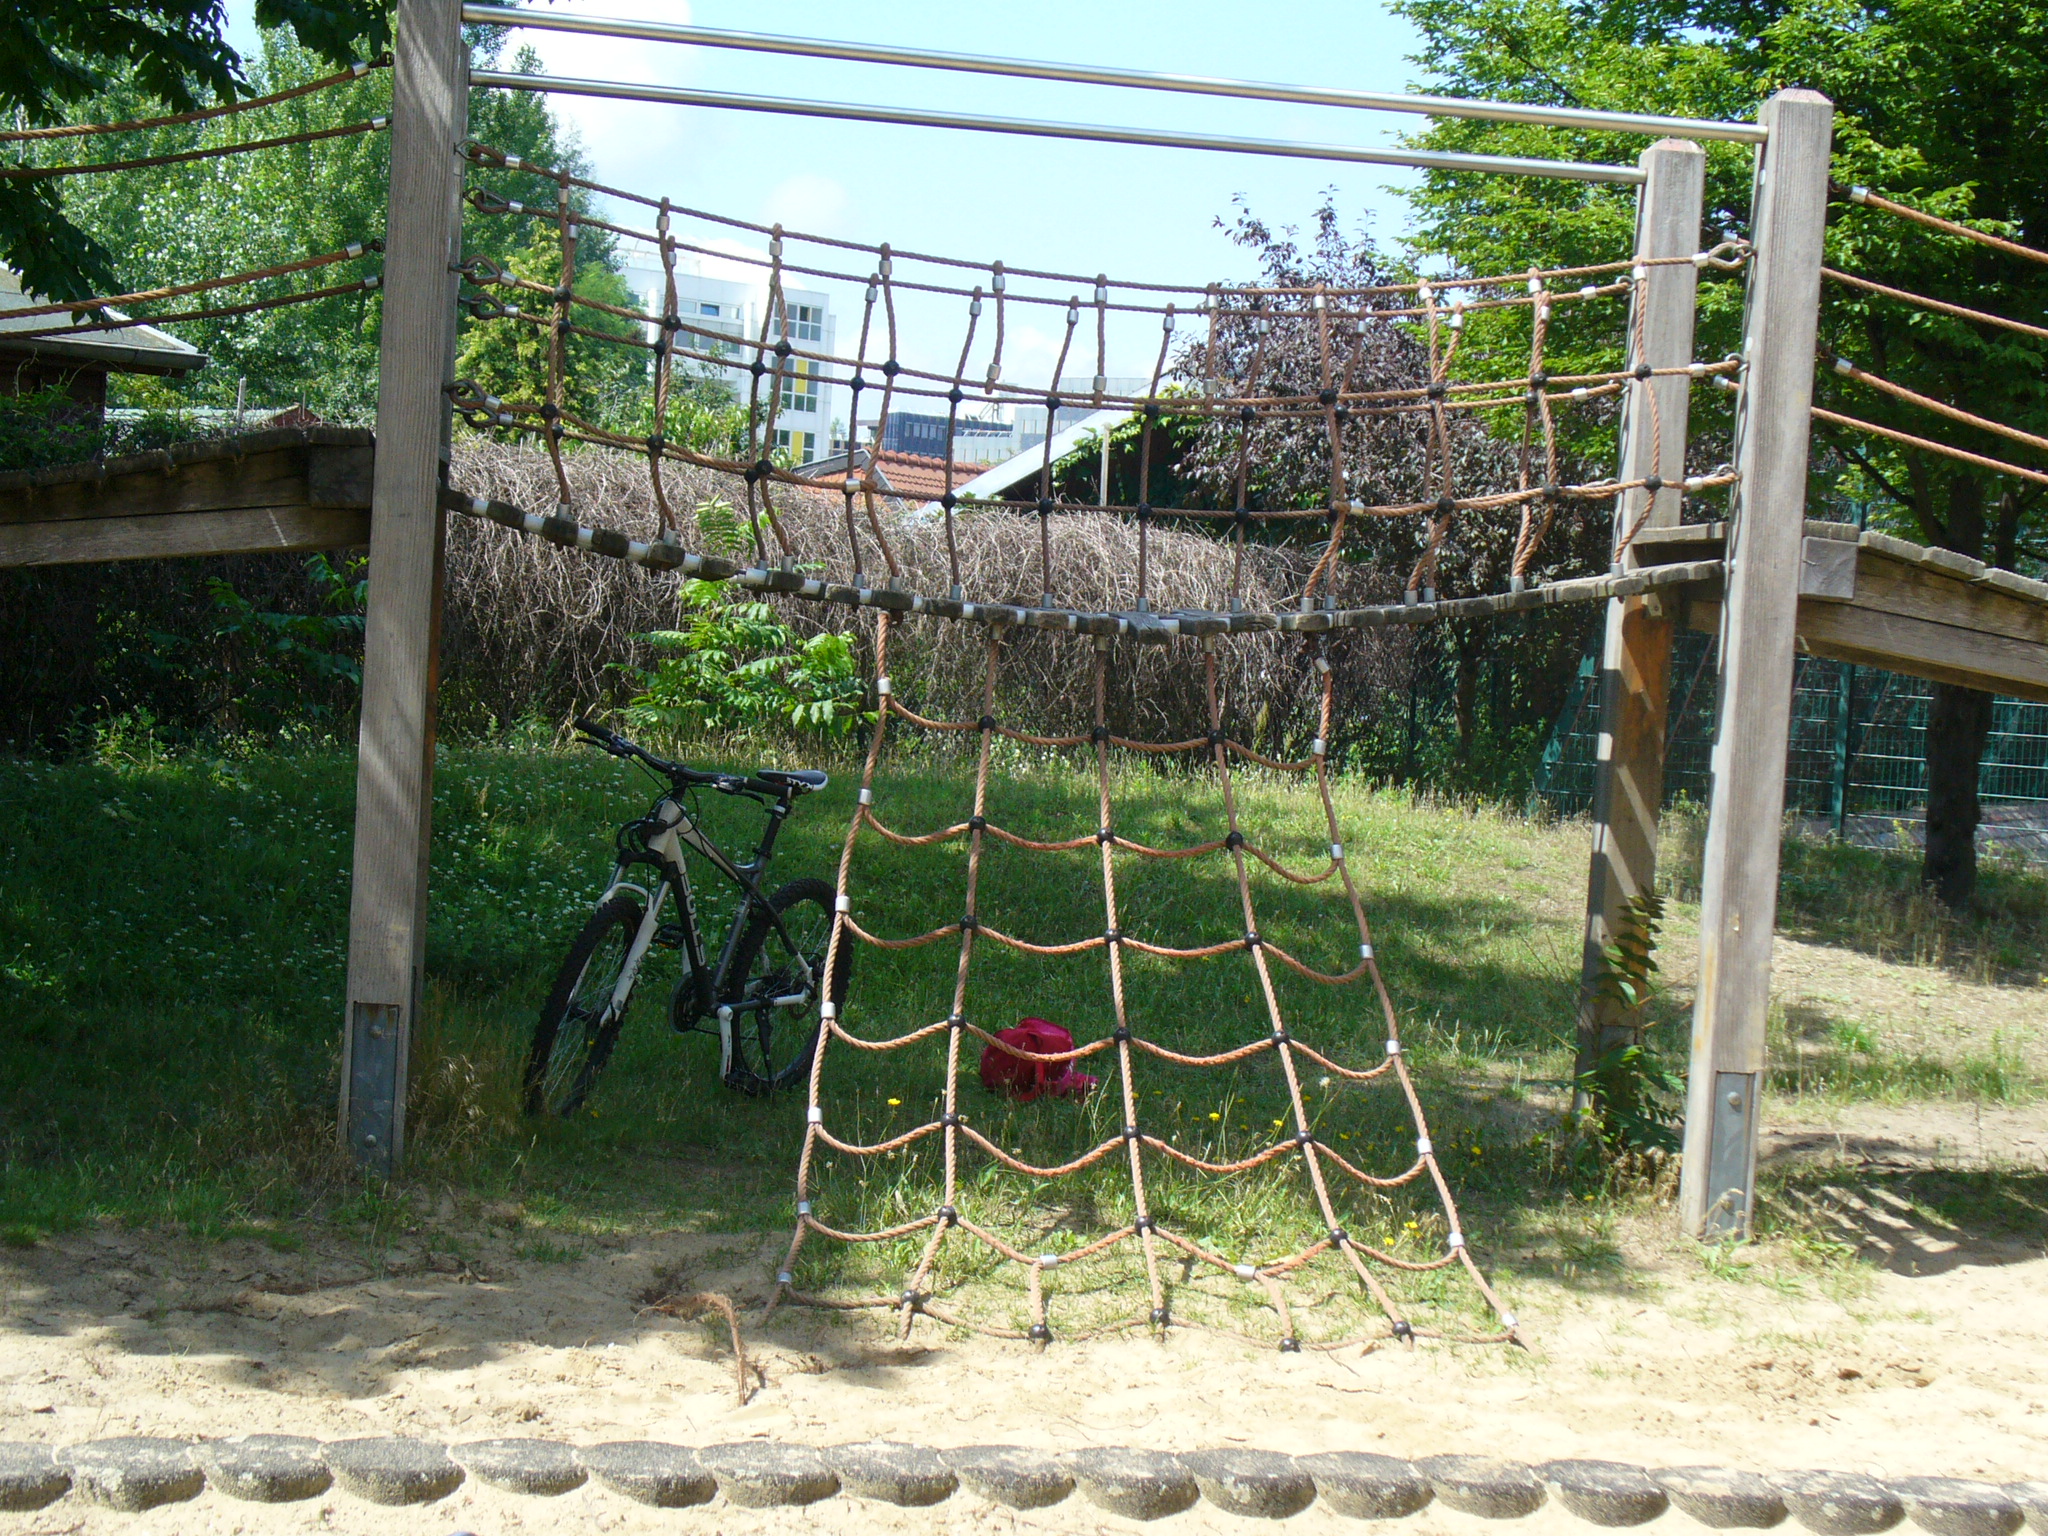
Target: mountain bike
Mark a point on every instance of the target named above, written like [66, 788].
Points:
[761, 994]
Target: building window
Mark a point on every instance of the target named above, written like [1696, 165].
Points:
[707, 309]
[800, 387]
[798, 445]
[804, 322]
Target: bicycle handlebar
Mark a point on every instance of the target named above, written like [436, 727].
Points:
[725, 783]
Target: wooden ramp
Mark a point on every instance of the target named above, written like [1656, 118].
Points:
[294, 488]
[1883, 602]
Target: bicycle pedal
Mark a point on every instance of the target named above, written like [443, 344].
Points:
[669, 936]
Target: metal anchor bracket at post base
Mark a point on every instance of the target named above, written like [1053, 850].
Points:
[374, 1057]
[1731, 1161]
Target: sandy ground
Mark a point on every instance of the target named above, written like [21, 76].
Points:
[1932, 1358]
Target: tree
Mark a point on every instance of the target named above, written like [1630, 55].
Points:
[57, 54]
[1939, 105]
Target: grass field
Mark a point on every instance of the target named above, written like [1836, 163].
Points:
[172, 938]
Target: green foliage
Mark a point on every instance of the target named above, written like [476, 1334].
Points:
[63, 55]
[47, 427]
[736, 668]
[292, 662]
[1633, 1097]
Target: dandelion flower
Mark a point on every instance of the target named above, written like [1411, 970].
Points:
[893, 1103]
[1214, 1116]
[1277, 1124]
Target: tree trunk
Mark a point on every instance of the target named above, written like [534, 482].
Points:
[1958, 722]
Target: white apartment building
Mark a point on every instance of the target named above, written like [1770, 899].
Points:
[736, 305]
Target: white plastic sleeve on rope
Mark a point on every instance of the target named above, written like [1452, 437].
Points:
[784, 1277]
[1365, 951]
[803, 1207]
[842, 902]
[1244, 1271]
[882, 686]
[817, 1115]
[1317, 747]
[1393, 1047]
[1422, 1146]
[1337, 852]
[1507, 1320]
[867, 796]
[1048, 1261]
[1455, 1241]
[828, 1009]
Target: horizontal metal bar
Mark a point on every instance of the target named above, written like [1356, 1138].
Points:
[1504, 165]
[1138, 79]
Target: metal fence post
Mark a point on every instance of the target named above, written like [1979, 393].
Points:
[1739, 890]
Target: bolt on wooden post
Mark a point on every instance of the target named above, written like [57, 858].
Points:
[1739, 886]
[395, 744]
[1635, 658]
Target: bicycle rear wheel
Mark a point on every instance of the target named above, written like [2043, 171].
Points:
[578, 1025]
[772, 1047]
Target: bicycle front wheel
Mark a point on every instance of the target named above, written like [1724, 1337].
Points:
[772, 1046]
[578, 1024]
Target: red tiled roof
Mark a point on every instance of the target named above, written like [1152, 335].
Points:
[915, 477]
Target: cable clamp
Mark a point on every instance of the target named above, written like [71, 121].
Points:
[1423, 1148]
[784, 1277]
[842, 902]
[828, 1009]
[1507, 1321]
[1244, 1271]
[817, 1115]
[1393, 1047]
[882, 686]
[1318, 747]
[1365, 951]
[1455, 1241]
[1322, 665]
[1048, 1261]
[1336, 853]
[867, 796]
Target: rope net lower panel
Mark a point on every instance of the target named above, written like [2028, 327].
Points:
[960, 1232]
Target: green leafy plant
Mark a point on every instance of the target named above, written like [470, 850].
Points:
[734, 667]
[1630, 1097]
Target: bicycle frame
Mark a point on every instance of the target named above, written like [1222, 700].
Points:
[664, 833]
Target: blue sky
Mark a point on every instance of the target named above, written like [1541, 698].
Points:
[1133, 212]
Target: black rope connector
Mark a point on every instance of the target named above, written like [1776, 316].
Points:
[757, 368]
[1243, 516]
[1112, 935]
[1052, 402]
[550, 412]
[954, 396]
[1131, 1134]
[1339, 1236]
[1121, 1034]
[1144, 1224]
[764, 469]
[913, 1301]
[1045, 506]
[1144, 511]
[564, 294]
[1038, 1333]
[1159, 1318]
[783, 348]
[949, 501]
[1645, 371]
[1234, 840]
[956, 1021]
[1403, 1329]
[1304, 1138]
[1104, 835]
[985, 723]
[1281, 1037]
[1438, 389]
[948, 1215]
[1214, 738]
[856, 384]
[1151, 410]
[1539, 378]
[1247, 415]
[1551, 489]
[1100, 733]
[891, 368]
[1653, 483]
[1290, 1345]
[949, 1120]
[1252, 939]
[969, 922]
[977, 823]
[1343, 416]
[1328, 397]
[656, 443]
[1445, 506]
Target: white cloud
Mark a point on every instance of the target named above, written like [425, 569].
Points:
[809, 202]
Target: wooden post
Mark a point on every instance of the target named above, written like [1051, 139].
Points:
[1739, 890]
[1635, 660]
[395, 751]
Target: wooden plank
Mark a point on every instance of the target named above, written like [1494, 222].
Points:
[1924, 592]
[1827, 568]
[1942, 653]
[273, 479]
[1739, 895]
[395, 756]
[1635, 663]
[236, 531]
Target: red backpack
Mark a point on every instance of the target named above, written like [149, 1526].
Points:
[1024, 1079]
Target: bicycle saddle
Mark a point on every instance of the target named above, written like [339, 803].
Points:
[798, 781]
